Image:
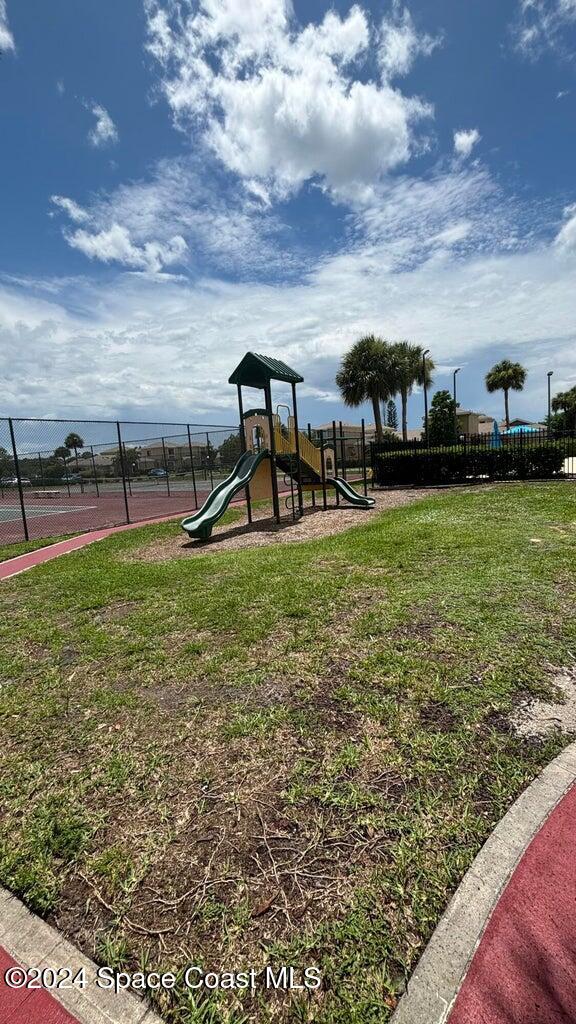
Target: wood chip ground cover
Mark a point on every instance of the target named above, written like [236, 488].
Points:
[279, 755]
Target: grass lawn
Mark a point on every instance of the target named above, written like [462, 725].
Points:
[285, 755]
[22, 547]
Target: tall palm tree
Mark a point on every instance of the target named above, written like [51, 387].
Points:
[503, 377]
[410, 368]
[366, 375]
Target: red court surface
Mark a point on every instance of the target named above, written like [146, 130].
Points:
[28, 1006]
[524, 970]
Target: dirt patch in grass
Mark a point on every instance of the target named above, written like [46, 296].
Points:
[539, 717]
[315, 523]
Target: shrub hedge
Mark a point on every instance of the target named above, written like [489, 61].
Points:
[457, 464]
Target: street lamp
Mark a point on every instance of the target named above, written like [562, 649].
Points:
[549, 374]
[457, 370]
[424, 354]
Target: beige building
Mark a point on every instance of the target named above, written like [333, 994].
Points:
[470, 422]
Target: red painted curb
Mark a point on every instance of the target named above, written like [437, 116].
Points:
[28, 1005]
[14, 566]
[524, 970]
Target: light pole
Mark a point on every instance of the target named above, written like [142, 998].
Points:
[549, 374]
[457, 370]
[424, 354]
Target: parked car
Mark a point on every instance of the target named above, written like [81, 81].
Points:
[12, 481]
[158, 472]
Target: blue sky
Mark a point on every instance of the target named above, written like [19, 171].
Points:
[182, 182]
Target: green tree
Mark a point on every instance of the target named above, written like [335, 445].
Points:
[506, 376]
[6, 463]
[366, 374]
[564, 405]
[74, 442]
[62, 453]
[442, 419]
[391, 415]
[229, 450]
[410, 368]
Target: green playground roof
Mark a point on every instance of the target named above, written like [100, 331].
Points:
[256, 371]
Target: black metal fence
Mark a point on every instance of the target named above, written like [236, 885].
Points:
[523, 453]
[66, 476]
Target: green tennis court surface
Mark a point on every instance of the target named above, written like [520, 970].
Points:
[12, 513]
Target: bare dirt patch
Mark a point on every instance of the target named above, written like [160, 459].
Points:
[316, 522]
[539, 717]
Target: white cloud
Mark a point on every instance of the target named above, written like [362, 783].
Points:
[566, 237]
[400, 44]
[225, 230]
[104, 132]
[540, 25]
[281, 105]
[115, 246]
[6, 37]
[464, 141]
[72, 209]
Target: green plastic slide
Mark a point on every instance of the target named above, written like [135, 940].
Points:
[200, 524]
[348, 493]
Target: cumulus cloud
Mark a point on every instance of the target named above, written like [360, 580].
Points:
[400, 44]
[540, 25]
[464, 142]
[93, 344]
[115, 245]
[279, 104]
[68, 206]
[226, 231]
[6, 37]
[104, 132]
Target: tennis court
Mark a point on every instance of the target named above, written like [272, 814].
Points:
[13, 513]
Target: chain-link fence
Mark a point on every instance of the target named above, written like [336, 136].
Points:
[66, 476]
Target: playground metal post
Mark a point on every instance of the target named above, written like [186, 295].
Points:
[297, 442]
[244, 448]
[268, 398]
[192, 465]
[18, 478]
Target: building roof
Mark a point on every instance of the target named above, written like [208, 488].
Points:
[255, 371]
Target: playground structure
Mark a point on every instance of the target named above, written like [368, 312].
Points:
[268, 445]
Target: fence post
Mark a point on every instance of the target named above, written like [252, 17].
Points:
[342, 451]
[41, 468]
[94, 471]
[323, 468]
[313, 489]
[364, 474]
[334, 442]
[192, 465]
[209, 459]
[166, 467]
[122, 470]
[19, 478]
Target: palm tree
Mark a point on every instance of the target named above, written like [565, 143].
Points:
[504, 376]
[74, 441]
[565, 404]
[366, 375]
[410, 368]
